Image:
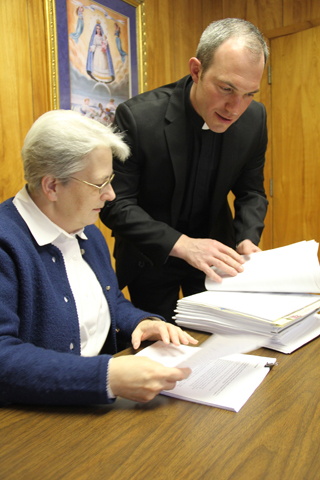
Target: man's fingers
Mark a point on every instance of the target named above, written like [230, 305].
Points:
[227, 265]
[212, 274]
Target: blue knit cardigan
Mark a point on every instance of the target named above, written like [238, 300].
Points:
[40, 360]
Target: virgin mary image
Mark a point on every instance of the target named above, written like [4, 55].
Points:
[99, 62]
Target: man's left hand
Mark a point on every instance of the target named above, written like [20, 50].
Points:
[246, 247]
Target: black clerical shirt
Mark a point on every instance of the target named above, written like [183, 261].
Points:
[203, 160]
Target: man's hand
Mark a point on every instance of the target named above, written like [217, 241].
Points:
[141, 379]
[204, 253]
[158, 330]
[246, 247]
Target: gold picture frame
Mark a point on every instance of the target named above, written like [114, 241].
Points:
[58, 59]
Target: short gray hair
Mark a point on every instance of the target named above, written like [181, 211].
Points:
[58, 142]
[220, 31]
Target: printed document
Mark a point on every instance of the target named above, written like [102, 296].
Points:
[226, 382]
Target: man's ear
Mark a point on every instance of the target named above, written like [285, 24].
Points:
[195, 69]
[49, 187]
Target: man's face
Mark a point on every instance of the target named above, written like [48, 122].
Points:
[79, 204]
[226, 89]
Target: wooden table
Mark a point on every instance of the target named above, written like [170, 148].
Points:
[276, 434]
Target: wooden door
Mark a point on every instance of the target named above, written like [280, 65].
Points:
[295, 94]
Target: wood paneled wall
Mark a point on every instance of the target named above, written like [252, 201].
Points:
[23, 84]
[173, 29]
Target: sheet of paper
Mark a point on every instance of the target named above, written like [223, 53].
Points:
[214, 347]
[294, 268]
[225, 382]
[218, 346]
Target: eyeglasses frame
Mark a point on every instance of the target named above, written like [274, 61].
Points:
[99, 187]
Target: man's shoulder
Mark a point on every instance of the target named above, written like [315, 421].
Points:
[251, 128]
[255, 116]
[256, 108]
[158, 94]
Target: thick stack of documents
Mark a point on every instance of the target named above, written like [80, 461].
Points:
[276, 296]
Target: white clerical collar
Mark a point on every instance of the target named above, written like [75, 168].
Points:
[205, 126]
[41, 227]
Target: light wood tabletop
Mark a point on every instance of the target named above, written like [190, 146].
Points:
[276, 434]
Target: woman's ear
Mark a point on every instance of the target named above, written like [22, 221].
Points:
[49, 187]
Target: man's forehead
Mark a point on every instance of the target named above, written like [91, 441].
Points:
[235, 48]
[238, 69]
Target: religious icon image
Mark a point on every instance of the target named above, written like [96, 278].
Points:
[99, 46]
[99, 61]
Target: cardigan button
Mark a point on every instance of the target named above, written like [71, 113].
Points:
[108, 288]
[71, 346]
[66, 299]
[54, 259]
[82, 251]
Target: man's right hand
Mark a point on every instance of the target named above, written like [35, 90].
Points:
[204, 253]
[141, 379]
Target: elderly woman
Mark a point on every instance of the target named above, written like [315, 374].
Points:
[60, 305]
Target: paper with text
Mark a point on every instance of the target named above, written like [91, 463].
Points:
[225, 382]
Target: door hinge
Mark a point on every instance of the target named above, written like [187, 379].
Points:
[269, 75]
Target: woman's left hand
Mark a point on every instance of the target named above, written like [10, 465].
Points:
[159, 330]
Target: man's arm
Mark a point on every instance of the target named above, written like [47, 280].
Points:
[250, 198]
[132, 182]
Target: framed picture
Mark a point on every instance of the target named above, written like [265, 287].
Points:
[96, 54]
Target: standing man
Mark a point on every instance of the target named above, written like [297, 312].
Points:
[192, 142]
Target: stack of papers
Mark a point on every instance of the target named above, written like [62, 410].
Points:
[226, 382]
[277, 297]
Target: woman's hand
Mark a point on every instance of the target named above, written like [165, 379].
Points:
[158, 330]
[141, 379]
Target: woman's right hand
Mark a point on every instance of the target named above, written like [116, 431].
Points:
[141, 379]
